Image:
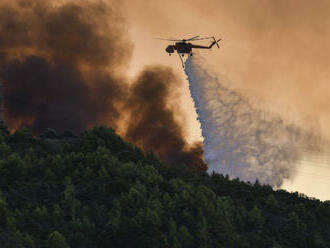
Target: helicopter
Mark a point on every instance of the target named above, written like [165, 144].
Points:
[184, 47]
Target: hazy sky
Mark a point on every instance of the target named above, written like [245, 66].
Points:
[276, 52]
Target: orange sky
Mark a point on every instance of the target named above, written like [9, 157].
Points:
[274, 52]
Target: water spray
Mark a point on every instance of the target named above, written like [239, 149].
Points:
[240, 140]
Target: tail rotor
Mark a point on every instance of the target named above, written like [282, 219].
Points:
[216, 41]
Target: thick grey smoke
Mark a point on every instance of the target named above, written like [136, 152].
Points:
[240, 140]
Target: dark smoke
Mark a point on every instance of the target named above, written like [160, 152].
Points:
[62, 67]
[40, 95]
[152, 122]
[54, 65]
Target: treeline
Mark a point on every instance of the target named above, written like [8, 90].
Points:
[96, 190]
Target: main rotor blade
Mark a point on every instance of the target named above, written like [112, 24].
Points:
[193, 38]
[206, 38]
[167, 39]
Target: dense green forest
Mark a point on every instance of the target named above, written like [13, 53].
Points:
[96, 190]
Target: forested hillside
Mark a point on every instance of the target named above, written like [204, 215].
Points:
[96, 190]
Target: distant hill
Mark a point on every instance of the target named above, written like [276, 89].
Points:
[96, 190]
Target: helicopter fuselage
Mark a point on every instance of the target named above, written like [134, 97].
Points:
[180, 47]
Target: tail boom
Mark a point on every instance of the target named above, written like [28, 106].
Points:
[215, 42]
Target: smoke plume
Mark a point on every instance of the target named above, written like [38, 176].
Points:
[63, 66]
[152, 121]
[55, 62]
[240, 140]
